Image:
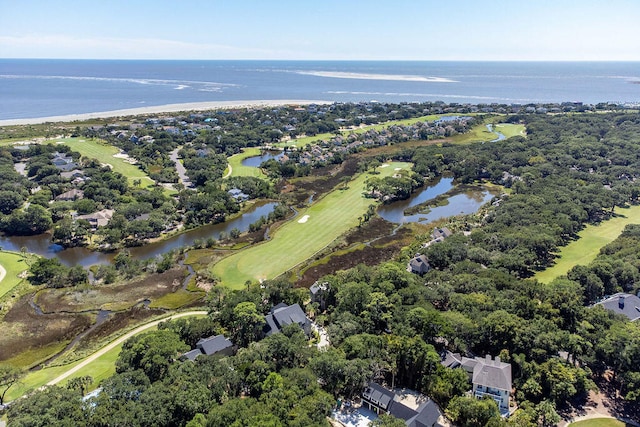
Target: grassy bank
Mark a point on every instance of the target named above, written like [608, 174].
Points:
[14, 264]
[237, 169]
[298, 240]
[585, 249]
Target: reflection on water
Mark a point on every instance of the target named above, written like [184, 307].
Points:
[256, 161]
[42, 245]
[459, 204]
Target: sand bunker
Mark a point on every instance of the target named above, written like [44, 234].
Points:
[386, 165]
[303, 219]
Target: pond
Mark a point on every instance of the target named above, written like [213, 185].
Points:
[256, 161]
[41, 244]
[464, 203]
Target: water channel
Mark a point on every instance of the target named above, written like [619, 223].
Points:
[41, 244]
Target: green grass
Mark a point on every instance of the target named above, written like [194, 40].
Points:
[14, 264]
[177, 299]
[36, 356]
[103, 152]
[237, 169]
[480, 133]
[296, 242]
[34, 380]
[585, 249]
[510, 129]
[599, 422]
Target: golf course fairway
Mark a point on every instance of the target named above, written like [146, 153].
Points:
[313, 229]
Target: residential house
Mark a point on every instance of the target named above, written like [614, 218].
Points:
[75, 173]
[383, 401]
[419, 264]
[440, 234]
[282, 315]
[98, 219]
[63, 162]
[319, 293]
[213, 345]
[70, 195]
[489, 377]
[237, 194]
[626, 304]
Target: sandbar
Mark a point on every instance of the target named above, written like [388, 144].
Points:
[155, 109]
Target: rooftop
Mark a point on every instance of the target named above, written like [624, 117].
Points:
[625, 304]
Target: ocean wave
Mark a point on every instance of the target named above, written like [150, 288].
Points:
[430, 95]
[178, 84]
[371, 76]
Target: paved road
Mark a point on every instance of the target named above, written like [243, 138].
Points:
[182, 172]
[118, 341]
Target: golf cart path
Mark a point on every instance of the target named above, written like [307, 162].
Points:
[119, 341]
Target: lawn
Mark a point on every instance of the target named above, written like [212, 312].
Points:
[598, 422]
[14, 264]
[585, 249]
[237, 169]
[480, 133]
[298, 240]
[103, 152]
[510, 129]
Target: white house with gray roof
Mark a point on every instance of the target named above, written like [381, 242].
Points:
[490, 377]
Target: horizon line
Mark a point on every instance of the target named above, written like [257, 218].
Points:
[322, 60]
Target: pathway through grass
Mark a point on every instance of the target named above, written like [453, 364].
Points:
[99, 365]
[297, 240]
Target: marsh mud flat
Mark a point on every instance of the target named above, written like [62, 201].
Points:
[382, 237]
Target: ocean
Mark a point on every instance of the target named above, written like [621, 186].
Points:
[31, 88]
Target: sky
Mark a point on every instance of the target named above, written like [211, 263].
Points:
[466, 30]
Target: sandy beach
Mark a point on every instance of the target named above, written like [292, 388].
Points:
[169, 108]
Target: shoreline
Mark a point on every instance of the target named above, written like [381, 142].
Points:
[156, 109]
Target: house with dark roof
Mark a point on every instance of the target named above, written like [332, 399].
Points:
[626, 304]
[214, 345]
[282, 315]
[383, 401]
[63, 162]
[419, 264]
[440, 234]
[217, 344]
[319, 292]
